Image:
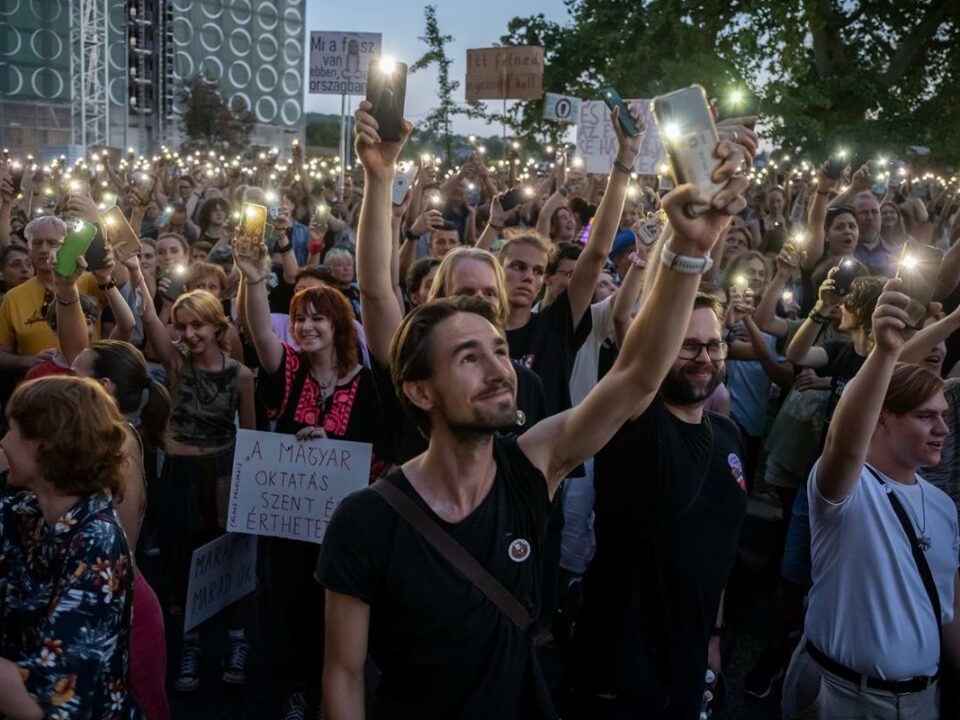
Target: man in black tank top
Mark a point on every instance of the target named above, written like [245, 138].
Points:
[443, 650]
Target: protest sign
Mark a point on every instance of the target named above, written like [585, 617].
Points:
[597, 143]
[221, 572]
[505, 73]
[286, 488]
[562, 108]
[339, 62]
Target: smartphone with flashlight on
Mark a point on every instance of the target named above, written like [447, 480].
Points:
[845, 273]
[178, 280]
[80, 236]
[387, 91]
[16, 178]
[613, 100]
[403, 180]
[509, 200]
[253, 220]
[917, 272]
[146, 184]
[119, 234]
[689, 137]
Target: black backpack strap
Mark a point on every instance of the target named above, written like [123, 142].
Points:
[454, 553]
[918, 557]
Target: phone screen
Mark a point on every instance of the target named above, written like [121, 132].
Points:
[16, 177]
[387, 91]
[689, 137]
[177, 282]
[252, 229]
[119, 234]
[917, 270]
[511, 199]
[613, 100]
[146, 187]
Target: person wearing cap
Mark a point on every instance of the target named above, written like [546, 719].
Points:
[624, 243]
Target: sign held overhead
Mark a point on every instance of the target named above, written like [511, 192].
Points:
[561, 108]
[505, 73]
[339, 61]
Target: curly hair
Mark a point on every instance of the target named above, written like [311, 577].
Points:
[206, 210]
[331, 304]
[79, 430]
[861, 301]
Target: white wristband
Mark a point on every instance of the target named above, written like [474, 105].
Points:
[685, 263]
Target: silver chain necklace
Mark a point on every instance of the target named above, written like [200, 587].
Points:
[923, 540]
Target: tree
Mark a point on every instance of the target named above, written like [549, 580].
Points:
[209, 124]
[871, 75]
[439, 119]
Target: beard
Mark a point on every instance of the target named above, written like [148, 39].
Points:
[478, 422]
[678, 389]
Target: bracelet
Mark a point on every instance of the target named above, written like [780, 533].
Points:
[818, 318]
[109, 285]
[638, 262]
[257, 282]
[67, 302]
[498, 228]
[617, 165]
[285, 249]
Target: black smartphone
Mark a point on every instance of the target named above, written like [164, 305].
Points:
[737, 104]
[16, 177]
[835, 168]
[613, 100]
[918, 269]
[177, 283]
[511, 199]
[146, 184]
[846, 272]
[387, 91]
[96, 254]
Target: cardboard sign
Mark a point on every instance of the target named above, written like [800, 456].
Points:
[286, 488]
[339, 62]
[597, 143]
[221, 572]
[505, 73]
[561, 108]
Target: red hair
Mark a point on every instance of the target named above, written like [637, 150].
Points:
[330, 303]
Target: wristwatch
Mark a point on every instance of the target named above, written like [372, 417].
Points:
[107, 285]
[685, 263]
[410, 235]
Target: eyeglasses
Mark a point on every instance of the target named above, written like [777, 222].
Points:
[691, 349]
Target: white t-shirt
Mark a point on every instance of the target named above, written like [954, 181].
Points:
[868, 609]
[586, 365]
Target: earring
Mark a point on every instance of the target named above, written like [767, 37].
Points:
[521, 418]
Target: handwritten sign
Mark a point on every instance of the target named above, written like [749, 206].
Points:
[597, 143]
[505, 73]
[221, 572]
[286, 488]
[339, 62]
[562, 108]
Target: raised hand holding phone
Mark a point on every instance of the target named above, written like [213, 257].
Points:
[377, 156]
[891, 320]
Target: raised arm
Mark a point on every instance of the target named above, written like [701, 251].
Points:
[560, 443]
[859, 183]
[801, 350]
[605, 222]
[256, 309]
[919, 346]
[157, 333]
[949, 274]
[780, 371]
[7, 201]
[629, 293]
[378, 303]
[498, 219]
[71, 325]
[766, 315]
[816, 218]
[855, 418]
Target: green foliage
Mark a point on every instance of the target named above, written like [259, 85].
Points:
[871, 75]
[209, 124]
[439, 120]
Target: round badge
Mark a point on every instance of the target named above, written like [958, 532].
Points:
[519, 550]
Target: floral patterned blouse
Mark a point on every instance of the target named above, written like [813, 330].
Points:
[66, 599]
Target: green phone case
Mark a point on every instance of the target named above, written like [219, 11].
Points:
[75, 244]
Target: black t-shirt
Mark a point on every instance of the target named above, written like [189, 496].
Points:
[548, 345]
[281, 295]
[444, 650]
[670, 499]
[843, 363]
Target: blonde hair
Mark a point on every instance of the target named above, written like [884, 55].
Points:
[442, 280]
[208, 308]
[200, 270]
[910, 387]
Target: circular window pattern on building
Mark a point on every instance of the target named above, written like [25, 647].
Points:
[292, 52]
[182, 31]
[266, 109]
[241, 11]
[267, 48]
[211, 68]
[211, 37]
[240, 42]
[10, 41]
[239, 102]
[11, 79]
[239, 74]
[268, 16]
[266, 78]
[292, 21]
[10, 7]
[46, 10]
[46, 44]
[292, 83]
[182, 65]
[291, 112]
[47, 83]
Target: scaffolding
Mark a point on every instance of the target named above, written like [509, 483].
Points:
[89, 73]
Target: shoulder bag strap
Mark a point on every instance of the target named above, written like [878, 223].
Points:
[918, 557]
[454, 553]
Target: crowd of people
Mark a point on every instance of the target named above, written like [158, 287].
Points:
[570, 396]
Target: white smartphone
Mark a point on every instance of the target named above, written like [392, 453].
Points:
[689, 137]
[403, 180]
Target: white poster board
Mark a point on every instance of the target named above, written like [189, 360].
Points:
[221, 572]
[339, 62]
[285, 488]
[561, 108]
[597, 143]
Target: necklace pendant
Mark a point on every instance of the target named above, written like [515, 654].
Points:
[924, 542]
